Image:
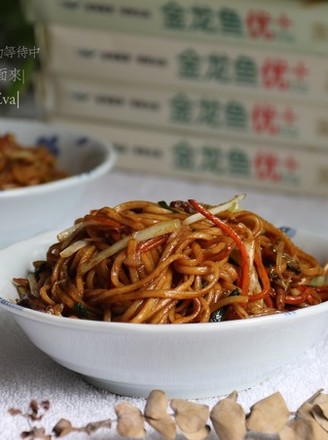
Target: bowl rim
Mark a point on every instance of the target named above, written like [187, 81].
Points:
[46, 238]
[110, 157]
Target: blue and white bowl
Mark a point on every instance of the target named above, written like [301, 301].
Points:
[28, 211]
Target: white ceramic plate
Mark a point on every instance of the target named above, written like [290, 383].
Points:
[188, 360]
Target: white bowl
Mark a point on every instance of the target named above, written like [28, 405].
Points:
[31, 210]
[186, 360]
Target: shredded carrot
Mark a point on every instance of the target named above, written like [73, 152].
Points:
[231, 233]
[263, 275]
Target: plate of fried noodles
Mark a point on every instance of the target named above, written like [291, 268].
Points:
[191, 298]
[44, 166]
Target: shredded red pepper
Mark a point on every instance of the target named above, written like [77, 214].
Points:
[261, 295]
[151, 243]
[299, 299]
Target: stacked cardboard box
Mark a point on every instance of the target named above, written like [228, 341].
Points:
[225, 90]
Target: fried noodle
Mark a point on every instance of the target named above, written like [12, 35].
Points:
[22, 166]
[147, 262]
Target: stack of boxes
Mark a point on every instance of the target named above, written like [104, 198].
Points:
[219, 90]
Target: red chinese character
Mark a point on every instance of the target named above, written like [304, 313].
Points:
[283, 22]
[300, 71]
[291, 164]
[265, 165]
[289, 116]
[263, 119]
[274, 74]
[258, 24]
